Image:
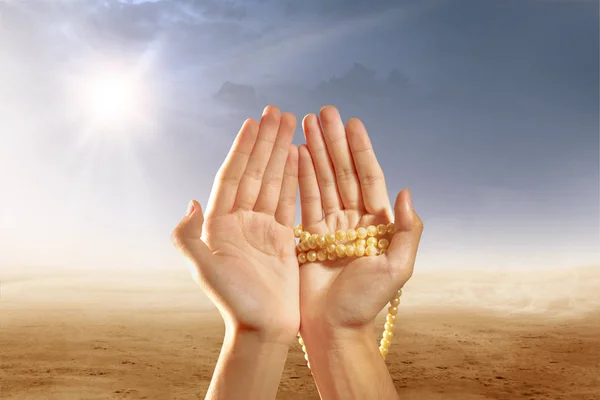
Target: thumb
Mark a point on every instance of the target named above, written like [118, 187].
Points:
[186, 238]
[403, 248]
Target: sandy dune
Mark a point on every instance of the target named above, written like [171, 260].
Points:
[468, 335]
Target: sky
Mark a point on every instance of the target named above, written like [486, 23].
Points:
[487, 111]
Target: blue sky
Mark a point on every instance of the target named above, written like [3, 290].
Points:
[487, 111]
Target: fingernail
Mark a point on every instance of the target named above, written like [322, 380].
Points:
[409, 199]
[190, 208]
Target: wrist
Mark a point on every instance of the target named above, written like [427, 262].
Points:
[250, 366]
[346, 363]
[323, 335]
[273, 336]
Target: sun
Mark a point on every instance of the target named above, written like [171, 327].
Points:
[112, 97]
[111, 102]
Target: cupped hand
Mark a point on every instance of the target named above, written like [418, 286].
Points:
[342, 186]
[243, 251]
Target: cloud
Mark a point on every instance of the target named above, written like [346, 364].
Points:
[342, 9]
[360, 85]
[236, 95]
[183, 28]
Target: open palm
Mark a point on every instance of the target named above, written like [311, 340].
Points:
[341, 187]
[242, 253]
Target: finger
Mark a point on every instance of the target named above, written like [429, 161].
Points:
[313, 133]
[403, 248]
[310, 197]
[286, 209]
[339, 151]
[370, 174]
[251, 181]
[186, 238]
[270, 190]
[227, 181]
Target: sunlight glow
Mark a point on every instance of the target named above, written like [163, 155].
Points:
[112, 97]
[112, 101]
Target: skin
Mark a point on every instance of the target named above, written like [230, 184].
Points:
[243, 256]
[342, 186]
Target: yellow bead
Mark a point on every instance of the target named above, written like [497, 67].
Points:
[383, 251]
[389, 326]
[383, 351]
[340, 250]
[322, 255]
[308, 364]
[302, 258]
[301, 341]
[340, 235]
[359, 251]
[383, 243]
[304, 348]
[321, 242]
[361, 242]
[311, 256]
[399, 293]
[304, 246]
[313, 241]
[390, 318]
[381, 229]
[361, 232]
[332, 256]
[388, 335]
[392, 310]
[395, 302]
[391, 228]
[350, 250]
[306, 357]
[372, 241]
[331, 247]
[371, 251]
[330, 238]
[351, 234]
[298, 231]
[385, 343]
[371, 230]
[304, 236]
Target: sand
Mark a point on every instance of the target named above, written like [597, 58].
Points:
[469, 336]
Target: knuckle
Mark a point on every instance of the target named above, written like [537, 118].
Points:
[254, 173]
[177, 238]
[287, 200]
[327, 183]
[371, 179]
[310, 199]
[245, 204]
[229, 178]
[337, 140]
[419, 225]
[272, 180]
[345, 174]
[367, 149]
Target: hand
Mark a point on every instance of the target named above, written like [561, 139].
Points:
[341, 179]
[342, 186]
[243, 252]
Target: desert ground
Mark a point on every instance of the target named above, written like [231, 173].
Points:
[471, 335]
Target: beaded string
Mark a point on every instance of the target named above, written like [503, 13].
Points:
[361, 242]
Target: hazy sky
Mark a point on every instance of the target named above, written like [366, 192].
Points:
[487, 111]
